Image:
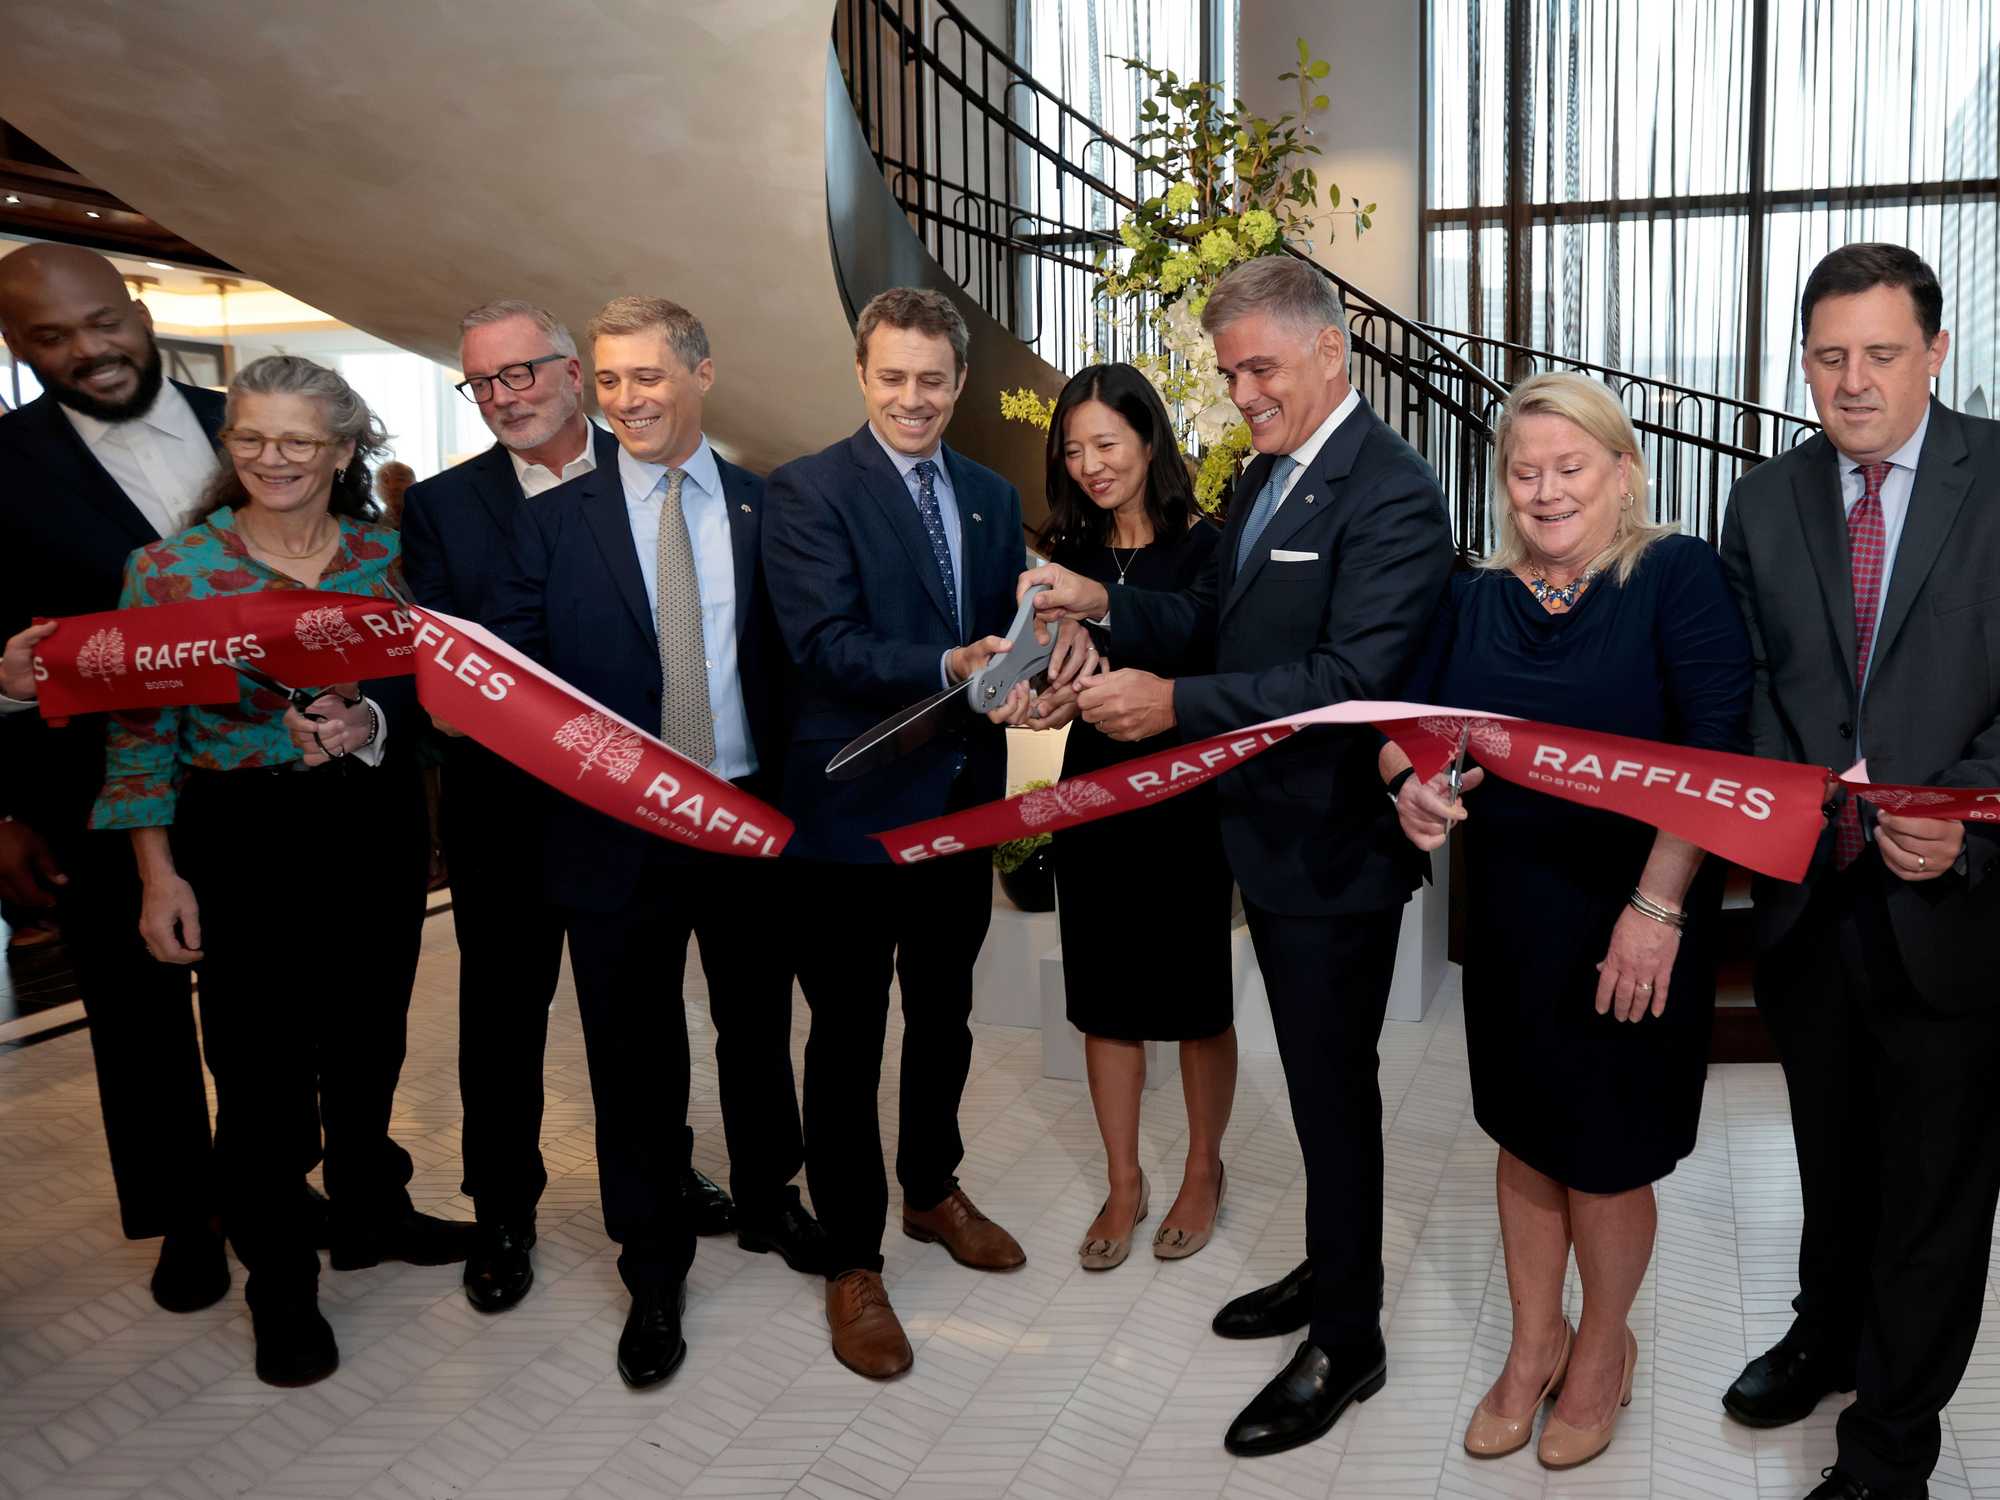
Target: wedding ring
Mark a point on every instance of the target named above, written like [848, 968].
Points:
[1647, 987]
[1921, 862]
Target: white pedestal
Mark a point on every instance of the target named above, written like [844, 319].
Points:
[1006, 984]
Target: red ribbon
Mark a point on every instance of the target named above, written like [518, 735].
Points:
[179, 654]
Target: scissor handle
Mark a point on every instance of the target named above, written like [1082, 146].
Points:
[1025, 660]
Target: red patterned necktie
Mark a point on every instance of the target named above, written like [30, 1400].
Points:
[1864, 546]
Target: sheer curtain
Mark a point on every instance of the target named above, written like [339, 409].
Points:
[1679, 180]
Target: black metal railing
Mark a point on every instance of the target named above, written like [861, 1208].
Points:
[1016, 194]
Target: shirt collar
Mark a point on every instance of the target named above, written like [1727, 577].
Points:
[641, 478]
[906, 463]
[1306, 452]
[160, 416]
[587, 458]
[1904, 457]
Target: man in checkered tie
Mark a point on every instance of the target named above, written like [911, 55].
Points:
[1867, 565]
[892, 560]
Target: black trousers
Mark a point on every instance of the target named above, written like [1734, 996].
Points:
[142, 1039]
[311, 893]
[1328, 979]
[628, 966]
[510, 941]
[1896, 1118]
[858, 926]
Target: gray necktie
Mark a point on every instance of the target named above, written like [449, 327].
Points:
[687, 722]
[1265, 508]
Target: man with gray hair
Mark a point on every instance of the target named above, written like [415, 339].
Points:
[1322, 589]
[523, 374]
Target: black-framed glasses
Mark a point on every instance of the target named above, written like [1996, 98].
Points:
[479, 388]
[295, 448]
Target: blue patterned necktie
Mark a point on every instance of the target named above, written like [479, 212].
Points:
[1265, 508]
[927, 507]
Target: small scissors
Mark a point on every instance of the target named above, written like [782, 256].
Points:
[1454, 778]
[300, 698]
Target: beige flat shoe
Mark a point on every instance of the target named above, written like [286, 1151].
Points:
[1103, 1255]
[1490, 1435]
[1179, 1244]
[1564, 1446]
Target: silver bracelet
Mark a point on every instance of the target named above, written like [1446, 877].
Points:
[1646, 906]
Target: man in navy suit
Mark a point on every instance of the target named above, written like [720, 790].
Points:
[888, 553]
[523, 374]
[1331, 568]
[110, 458]
[640, 583]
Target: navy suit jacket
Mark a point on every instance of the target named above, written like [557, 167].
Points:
[570, 595]
[861, 606]
[66, 529]
[1307, 828]
[458, 527]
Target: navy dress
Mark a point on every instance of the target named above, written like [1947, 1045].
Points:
[1598, 1105]
[1143, 898]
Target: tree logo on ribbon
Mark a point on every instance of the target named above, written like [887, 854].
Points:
[326, 629]
[102, 656]
[1897, 801]
[602, 743]
[1489, 736]
[1065, 799]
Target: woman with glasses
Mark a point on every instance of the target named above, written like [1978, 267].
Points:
[284, 852]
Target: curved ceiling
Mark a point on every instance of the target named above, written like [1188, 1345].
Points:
[561, 153]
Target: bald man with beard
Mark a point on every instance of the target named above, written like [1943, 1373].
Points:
[109, 458]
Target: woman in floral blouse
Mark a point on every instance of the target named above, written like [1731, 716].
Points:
[286, 855]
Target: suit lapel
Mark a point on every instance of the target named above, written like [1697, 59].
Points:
[91, 481]
[1241, 503]
[1942, 482]
[601, 498]
[1823, 523]
[1313, 490]
[886, 489]
[497, 486]
[743, 526]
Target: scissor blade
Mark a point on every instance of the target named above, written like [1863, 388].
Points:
[264, 680]
[899, 735]
[1455, 778]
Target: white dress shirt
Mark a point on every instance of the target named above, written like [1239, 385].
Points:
[706, 512]
[536, 479]
[1306, 452]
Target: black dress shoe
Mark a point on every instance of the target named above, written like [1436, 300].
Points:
[294, 1344]
[1783, 1385]
[1307, 1397]
[499, 1271]
[708, 1207]
[791, 1231]
[1284, 1306]
[193, 1272]
[651, 1347]
[1836, 1485]
[418, 1239]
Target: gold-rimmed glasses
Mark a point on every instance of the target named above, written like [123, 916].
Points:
[293, 447]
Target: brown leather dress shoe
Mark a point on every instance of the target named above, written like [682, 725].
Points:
[867, 1335]
[973, 1239]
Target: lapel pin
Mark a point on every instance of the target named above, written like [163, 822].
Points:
[746, 510]
[1309, 499]
[976, 516]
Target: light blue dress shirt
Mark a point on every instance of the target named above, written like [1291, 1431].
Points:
[947, 501]
[707, 516]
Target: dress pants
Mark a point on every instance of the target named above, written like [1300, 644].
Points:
[1328, 979]
[310, 886]
[1897, 1124]
[142, 1039]
[510, 941]
[629, 966]
[858, 926]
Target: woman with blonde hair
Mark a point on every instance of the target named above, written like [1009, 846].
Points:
[1589, 945]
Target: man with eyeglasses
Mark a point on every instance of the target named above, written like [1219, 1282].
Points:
[523, 374]
[111, 457]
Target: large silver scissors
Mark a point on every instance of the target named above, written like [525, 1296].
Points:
[1027, 660]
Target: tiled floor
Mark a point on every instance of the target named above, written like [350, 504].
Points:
[1046, 1383]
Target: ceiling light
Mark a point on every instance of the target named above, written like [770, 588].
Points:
[92, 213]
[13, 197]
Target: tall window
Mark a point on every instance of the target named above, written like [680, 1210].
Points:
[1668, 174]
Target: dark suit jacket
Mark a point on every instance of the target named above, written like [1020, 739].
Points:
[570, 595]
[861, 606]
[66, 529]
[458, 527]
[1306, 825]
[1932, 713]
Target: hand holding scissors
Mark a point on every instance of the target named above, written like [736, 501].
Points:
[1428, 810]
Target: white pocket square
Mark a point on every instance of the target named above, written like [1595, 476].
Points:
[1279, 554]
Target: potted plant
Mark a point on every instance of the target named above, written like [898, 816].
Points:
[1027, 866]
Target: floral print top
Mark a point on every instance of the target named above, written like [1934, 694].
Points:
[148, 751]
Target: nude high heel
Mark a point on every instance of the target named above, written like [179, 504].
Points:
[1490, 1435]
[1564, 1446]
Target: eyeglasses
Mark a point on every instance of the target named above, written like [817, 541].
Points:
[292, 447]
[479, 388]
